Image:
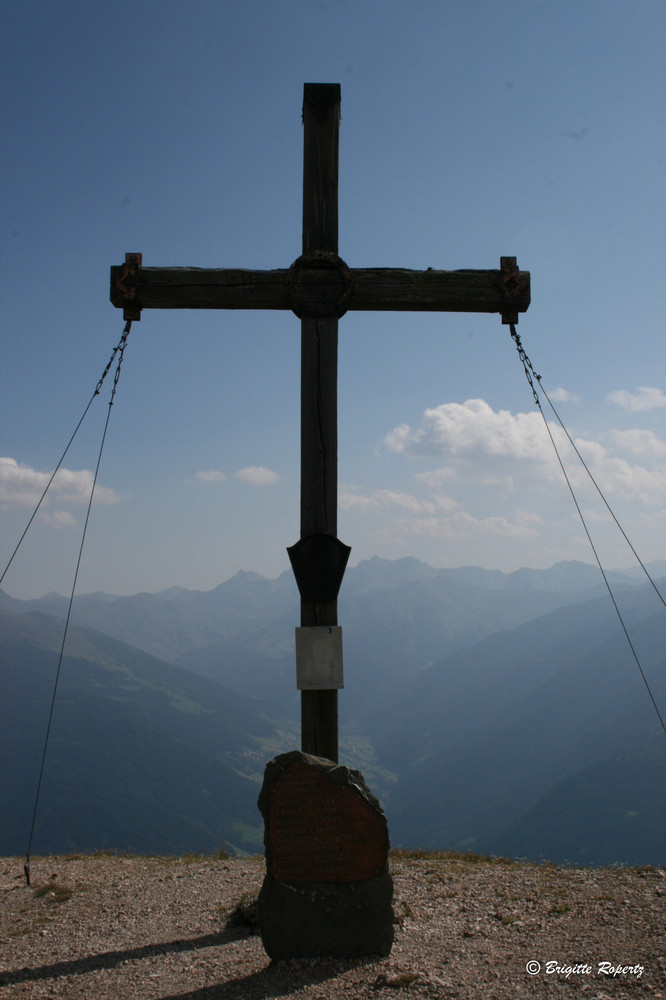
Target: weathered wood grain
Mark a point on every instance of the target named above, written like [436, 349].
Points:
[372, 289]
[319, 384]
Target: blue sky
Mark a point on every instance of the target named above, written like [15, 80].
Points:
[469, 131]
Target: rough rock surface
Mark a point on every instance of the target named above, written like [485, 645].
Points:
[116, 928]
[327, 890]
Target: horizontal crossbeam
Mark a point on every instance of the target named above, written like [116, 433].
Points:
[373, 288]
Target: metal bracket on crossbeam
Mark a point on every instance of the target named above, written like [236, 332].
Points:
[512, 287]
[127, 283]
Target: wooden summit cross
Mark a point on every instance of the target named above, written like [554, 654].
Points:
[319, 287]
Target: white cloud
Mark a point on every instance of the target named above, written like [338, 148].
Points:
[528, 519]
[592, 515]
[561, 395]
[635, 482]
[59, 519]
[405, 501]
[507, 452]
[463, 525]
[646, 398]
[615, 474]
[349, 497]
[638, 442]
[22, 486]
[436, 477]
[474, 429]
[492, 471]
[210, 476]
[257, 475]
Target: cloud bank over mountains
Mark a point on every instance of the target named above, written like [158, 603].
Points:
[495, 474]
[463, 483]
[496, 448]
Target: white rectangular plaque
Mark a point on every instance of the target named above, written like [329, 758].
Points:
[319, 657]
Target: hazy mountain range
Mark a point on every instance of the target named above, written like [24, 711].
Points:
[493, 712]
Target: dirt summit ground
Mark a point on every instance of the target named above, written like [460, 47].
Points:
[105, 927]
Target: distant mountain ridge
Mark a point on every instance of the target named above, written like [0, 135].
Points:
[177, 620]
[479, 705]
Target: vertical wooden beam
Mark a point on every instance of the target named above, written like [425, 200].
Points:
[321, 131]
[319, 388]
[319, 431]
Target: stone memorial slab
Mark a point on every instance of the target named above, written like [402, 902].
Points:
[327, 890]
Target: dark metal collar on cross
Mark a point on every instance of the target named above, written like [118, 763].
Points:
[319, 287]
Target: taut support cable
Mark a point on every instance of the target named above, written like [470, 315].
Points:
[532, 377]
[120, 349]
[120, 346]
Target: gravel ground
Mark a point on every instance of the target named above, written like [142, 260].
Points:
[127, 928]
